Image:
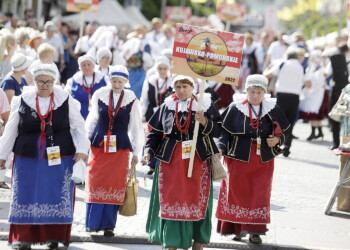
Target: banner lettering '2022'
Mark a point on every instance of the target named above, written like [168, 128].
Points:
[207, 54]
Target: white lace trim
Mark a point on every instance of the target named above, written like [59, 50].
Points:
[241, 212]
[36, 210]
[267, 104]
[186, 211]
[106, 194]
[29, 97]
[103, 95]
[78, 77]
[171, 104]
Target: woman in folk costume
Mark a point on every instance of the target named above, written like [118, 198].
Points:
[85, 82]
[137, 52]
[314, 101]
[181, 207]
[115, 117]
[156, 88]
[103, 58]
[249, 147]
[47, 135]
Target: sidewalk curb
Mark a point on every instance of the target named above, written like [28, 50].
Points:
[144, 241]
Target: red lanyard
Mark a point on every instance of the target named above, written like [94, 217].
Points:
[112, 113]
[44, 122]
[184, 127]
[254, 123]
[85, 87]
[160, 94]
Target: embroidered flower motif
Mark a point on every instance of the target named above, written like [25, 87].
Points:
[183, 211]
[106, 194]
[36, 210]
[262, 213]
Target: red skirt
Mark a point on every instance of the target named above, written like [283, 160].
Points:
[245, 194]
[107, 176]
[322, 113]
[33, 234]
[180, 197]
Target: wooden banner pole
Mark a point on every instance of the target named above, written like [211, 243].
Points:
[81, 31]
[196, 128]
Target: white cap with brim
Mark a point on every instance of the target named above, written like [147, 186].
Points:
[48, 69]
[20, 62]
[162, 60]
[102, 52]
[121, 72]
[256, 80]
[85, 58]
[181, 77]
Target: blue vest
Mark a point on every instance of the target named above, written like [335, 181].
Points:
[29, 131]
[120, 126]
[82, 97]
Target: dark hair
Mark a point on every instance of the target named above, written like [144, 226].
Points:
[343, 47]
[186, 81]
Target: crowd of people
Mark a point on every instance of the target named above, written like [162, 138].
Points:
[111, 101]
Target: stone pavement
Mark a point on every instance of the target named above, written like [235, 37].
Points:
[301, 188]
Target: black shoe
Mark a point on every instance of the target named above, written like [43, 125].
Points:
[333, 147]
[295, 137]
[311, 137]
[22, 246]
[255, 239]
[108, 233]
[239, 237]
[286, 152]
[53, 245]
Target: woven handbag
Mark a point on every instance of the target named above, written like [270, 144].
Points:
[129, 208]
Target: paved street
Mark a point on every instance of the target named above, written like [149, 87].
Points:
[301, 189]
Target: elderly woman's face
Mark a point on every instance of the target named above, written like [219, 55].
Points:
[183, 90]
[255, 95]
[162, 70]
[117, 84]
[105, 61]
[87, 67]
[44, 84]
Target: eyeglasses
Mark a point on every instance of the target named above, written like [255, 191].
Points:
[161, 68]
[41, 83]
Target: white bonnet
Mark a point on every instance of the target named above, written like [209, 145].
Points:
[47, 69]
[256, 80]
[181, 77]
[84, 58]
[102, 52]
[119, 71]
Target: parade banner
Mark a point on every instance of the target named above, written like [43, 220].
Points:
[233, 13]
[82, 5]
[177, 14]
[207, 54]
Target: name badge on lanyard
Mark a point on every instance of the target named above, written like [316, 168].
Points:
[89, 107]
[258, 145]
[186, 149]
[112, 148]
[53, 155]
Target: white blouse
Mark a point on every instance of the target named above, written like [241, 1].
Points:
[76, 121]
[135, 127]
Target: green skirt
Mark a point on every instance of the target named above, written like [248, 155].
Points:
[172, 233]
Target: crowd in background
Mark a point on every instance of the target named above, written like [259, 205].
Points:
[306, 81]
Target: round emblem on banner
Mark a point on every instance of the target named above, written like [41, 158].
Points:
[207, 54]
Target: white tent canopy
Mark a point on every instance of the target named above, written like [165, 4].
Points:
[134, 13]
[110, 12]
